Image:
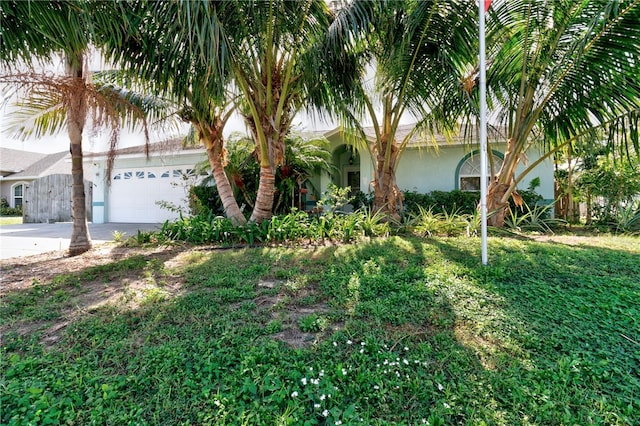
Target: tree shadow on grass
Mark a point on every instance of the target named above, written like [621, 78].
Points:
[570, 313]
[424, 333]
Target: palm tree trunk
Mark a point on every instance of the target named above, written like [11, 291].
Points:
[214, 144]
[264, 198]
[387, 195]
[76, 115]
[497, 201]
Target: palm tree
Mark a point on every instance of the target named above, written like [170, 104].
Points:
[412, 47]
[303, 157]
[38, 30]
[559, 70]
[275, 61]
[195, 73]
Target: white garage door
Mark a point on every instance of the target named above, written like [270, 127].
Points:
[134, 194]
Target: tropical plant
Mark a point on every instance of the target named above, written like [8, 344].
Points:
[531, 219]
[558, 70]
[302, 158]
[37, 31]
[412, 47]
[614, 184]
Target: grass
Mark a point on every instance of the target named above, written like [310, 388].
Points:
[10, 220]
[396, 331]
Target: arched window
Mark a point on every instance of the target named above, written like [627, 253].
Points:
[468, 171]
[17, 195]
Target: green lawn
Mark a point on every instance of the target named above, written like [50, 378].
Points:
[10, 220]
[398, 331]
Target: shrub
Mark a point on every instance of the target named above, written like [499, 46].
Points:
[464, 202]
[7, 210]
[205, 199]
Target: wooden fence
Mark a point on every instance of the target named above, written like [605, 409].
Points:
[48, 199]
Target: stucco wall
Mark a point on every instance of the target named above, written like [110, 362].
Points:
[425, 169]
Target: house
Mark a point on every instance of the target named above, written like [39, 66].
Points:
[141, 188]
[154, 188]
[39, 183]
[425, 167]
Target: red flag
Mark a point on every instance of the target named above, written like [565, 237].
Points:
[487, 4]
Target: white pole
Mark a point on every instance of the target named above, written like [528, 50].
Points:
[483, 136]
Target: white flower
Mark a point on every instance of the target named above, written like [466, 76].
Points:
[316, 406]
[216, 402]
[315, 381]
[406, 348]
[323, 397]
[446, 405]
[349, 342]
[425, 421]
[361, 351]
[335, 344]
[362, 343]
[294, 394]
[338, 422]
[376, 387]
[325, 413]
[405, 362]
[440, 387]
[321, 373]
[344, 372]
[304, 381]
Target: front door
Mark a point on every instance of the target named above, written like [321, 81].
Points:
[351, 177]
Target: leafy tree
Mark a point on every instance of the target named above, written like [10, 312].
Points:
[557, 71]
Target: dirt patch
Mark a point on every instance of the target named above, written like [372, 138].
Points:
[126, 289]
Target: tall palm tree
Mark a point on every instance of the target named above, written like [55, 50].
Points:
[38, 30]
[412, 46]
[558, 70]
[267, 51]
[275, 61]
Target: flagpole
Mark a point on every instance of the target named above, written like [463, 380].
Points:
[483, 135]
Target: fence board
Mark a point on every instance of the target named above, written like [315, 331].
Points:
[49, 199]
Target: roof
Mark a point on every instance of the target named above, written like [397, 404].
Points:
[169, 146]
[16, 164]
[425, 138]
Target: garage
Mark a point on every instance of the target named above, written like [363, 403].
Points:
[134, 193]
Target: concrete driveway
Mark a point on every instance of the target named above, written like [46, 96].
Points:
[35, 238]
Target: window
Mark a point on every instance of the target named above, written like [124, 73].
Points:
[151, 175]
[17, 195]
[128, 175]
[469, 171]
[140, 175]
